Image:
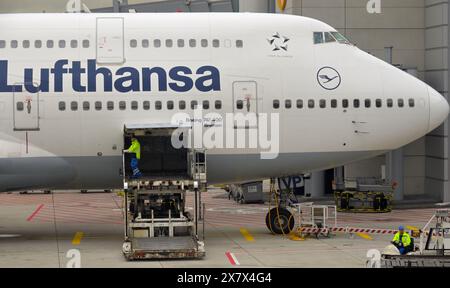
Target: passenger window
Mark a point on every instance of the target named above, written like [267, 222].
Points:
[194, 105]
[38, 44]
[216, 43]
[356, 103]
[134, 105]
[300, 104]
[334, 103]
[122, 105]
[146, 105]
[74, 44]
[204, 43]
[240, 104]
[62, 44]
[390, 103]
[98, 105]
[345, 103]
[26, 43]
[379, 103]
[288, 104]
[401, 103]
[323, 104]
[311, 104]
[74, 106]
[158, 105]
[218, 105]
[133, 43]
[86, 44]
[180, 43]
[157, 43]
[329, 38]
[182, 105]
[368, 103]
[412, 103]
[2, 44]
[86, 106]
[240, 44]
[19, 106]
[206, 105]
[276, 104]
[62, 106]
[170, 105]
[145, 43]
[14, 44]
[50, 44]
[169, 43]
[318, 37]
[110, 105]
[192, 43]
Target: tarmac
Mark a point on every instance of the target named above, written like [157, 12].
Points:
[51, 230]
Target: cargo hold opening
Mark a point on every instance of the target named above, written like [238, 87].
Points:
[159, 159]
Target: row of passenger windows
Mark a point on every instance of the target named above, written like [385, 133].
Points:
[181, 43]
[288, 104]
[49, 44]
[145, 43]
[134, 105]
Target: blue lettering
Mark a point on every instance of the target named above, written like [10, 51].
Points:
[147, 78]
[133, 78]
[213, 78]
[43, 86]
[174, 74]
[4, 87]
[123, 80]
[76, 72]
[59, 72]
[92, 77]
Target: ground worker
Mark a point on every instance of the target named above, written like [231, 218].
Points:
[135, 150]
[402, 241]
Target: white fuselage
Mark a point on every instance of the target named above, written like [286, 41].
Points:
[157, 60]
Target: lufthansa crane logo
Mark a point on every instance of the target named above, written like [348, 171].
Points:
[329, 78]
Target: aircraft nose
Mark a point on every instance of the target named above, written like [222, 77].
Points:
[439, 109]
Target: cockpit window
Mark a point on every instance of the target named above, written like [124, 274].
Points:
[329, 38]
[318, 37]
[340, 38]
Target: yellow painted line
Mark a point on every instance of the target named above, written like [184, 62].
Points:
[247, 235]
[364, 236]
[294, 237]
[77, 238]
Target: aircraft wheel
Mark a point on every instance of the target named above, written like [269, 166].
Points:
[284, 224]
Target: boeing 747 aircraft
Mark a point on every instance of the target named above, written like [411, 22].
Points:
[70, 82]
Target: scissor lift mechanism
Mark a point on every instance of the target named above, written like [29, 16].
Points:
[157, 225]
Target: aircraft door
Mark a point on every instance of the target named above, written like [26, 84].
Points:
[25, 110]
[110, 41]
[245, 97]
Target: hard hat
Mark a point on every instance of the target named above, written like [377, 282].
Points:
[401, 228]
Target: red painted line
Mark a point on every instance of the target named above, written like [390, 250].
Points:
[35, 212]
[230, 258]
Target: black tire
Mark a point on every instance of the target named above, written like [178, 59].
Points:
[286, 221]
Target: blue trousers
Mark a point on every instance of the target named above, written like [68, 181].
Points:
[135, 168]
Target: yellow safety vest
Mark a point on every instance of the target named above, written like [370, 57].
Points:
[406, 239]
[135, 148]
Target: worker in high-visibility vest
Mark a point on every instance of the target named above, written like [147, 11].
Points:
[135, 150]
[402, 241]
